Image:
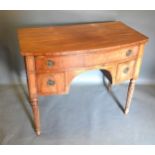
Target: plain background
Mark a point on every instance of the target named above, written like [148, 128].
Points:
[11, 63]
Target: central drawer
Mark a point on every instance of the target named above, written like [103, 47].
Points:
[62, 63]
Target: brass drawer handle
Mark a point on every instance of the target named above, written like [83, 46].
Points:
[126, 70]
[50, 63]
[50, 82]
[129, 52]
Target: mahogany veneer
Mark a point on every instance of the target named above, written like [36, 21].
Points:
[54, 55]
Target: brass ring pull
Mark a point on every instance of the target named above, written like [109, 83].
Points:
[126, 70]
[50, 63]
[129, 52]
[50, 82]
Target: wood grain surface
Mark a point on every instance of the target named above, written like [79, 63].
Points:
[59, 40]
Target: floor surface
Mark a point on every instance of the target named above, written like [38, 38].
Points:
[87, 115]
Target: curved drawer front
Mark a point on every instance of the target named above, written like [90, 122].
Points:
[112, 56]
[61, 63]
[50, 83]
[58, 63]
[129, 52]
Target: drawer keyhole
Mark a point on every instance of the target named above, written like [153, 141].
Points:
[129, 52]
[126, 70]
[50, 82]
[50, 63]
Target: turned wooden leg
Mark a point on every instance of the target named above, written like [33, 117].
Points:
[32, 87]
[35, 109]
[129, 95]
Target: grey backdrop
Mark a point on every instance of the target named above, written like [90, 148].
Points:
[11, 63]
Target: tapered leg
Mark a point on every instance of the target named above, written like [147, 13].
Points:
[35, 109]
[32, 86]
[129, 95]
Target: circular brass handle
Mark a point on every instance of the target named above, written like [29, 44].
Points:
[50, 63]
[129, 52]
[50, 82]
[126, 70]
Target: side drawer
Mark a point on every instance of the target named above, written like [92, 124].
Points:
[57, 63]
[50, 83]
[125, 71]
[129, 52]
[99, 58]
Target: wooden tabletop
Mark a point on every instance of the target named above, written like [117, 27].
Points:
[60, 40]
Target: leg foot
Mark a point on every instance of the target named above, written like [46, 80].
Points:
[126, 111]
[38, 133]
[129, 95]
[35, 109]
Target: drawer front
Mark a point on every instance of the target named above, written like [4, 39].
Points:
[129, 52]
[58, 63]
[50, 83]
[112, 56]
[125, 71]
[61, 63]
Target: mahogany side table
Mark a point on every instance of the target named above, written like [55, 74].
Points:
[54, 55]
